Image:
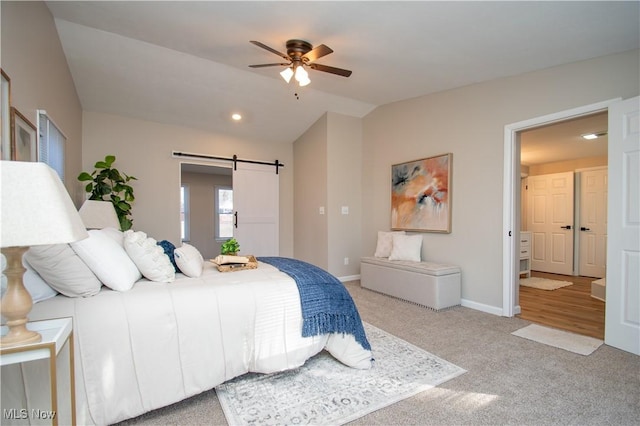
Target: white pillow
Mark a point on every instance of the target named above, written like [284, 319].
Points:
[115, 234]
[189, 260]
[108, 260]
[63, 270]
[406, 247]
[149, 257]
[385, 243]
[35, 285]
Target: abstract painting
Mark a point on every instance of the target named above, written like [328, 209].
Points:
[421, 195]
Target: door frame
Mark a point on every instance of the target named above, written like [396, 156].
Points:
[511, 191]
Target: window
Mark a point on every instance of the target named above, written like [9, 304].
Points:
[51, 143]
[224, 212]
[184, 213]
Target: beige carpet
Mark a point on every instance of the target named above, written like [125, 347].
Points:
[543, 283]
[583, 345]
[325, 392]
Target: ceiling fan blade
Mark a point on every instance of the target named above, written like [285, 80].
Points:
[264, 46]
[332, 70]
[317, 52]
[270, 65]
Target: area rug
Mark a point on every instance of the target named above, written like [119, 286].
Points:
[326, 392]
[583, 345]
[543, 283]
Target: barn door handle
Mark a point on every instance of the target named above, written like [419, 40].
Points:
[566, 227]
[584, 229]
[235, 219]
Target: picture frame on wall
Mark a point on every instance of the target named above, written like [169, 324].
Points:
[24, 138]
[5, 118]
[421, 194]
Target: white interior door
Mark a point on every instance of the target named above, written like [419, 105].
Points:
[550, 220]
[592, 227]
[256, 204]
[622, 317]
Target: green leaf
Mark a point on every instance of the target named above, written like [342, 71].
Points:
[110, 159]
[84, 176]
[101, 165]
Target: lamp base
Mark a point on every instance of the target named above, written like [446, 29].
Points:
[16, 302]
[19, 335]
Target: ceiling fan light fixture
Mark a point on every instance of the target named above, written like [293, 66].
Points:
[302, 75]
[287, 73]
[304, 82]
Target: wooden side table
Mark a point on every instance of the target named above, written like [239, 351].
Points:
[55, 334]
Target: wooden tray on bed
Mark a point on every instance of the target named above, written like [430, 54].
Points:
[232, 267]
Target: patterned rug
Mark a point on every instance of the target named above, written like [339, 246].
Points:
[326, 392]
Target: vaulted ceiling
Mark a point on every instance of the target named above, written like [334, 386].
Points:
[186, 63]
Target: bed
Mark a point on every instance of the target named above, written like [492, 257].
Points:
[158, 343]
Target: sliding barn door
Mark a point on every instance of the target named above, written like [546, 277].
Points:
[256, 202]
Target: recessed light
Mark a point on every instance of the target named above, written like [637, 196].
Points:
[236, 116]
[591, 136]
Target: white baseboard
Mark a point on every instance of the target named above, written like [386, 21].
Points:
[481, 307]
[349, 278]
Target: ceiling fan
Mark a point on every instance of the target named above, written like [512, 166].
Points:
[301, 54]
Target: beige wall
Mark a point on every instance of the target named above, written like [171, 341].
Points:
[469, 122]
[328, 175]
[32, 56]
[344, 182]
[311, 193]
[202, 210]
[144, 149]
[566, 166]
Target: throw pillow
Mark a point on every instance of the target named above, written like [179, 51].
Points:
[108, 260]
[385, 243]
[168, 248]
[149, 257]
[406, 247]
[35, 285]
[63, 270]
[189, 260]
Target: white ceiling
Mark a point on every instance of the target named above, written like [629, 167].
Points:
[186, 63]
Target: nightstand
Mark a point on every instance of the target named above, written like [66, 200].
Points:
[55, 334]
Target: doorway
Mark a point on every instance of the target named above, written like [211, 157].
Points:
[512, 195]
[559, 209]
[200, 221]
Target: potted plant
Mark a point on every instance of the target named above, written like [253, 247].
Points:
[230, 247]
[106, 183]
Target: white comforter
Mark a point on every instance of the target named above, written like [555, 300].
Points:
[160, 343]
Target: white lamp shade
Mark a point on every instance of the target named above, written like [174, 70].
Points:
[35, 207]
[287, 73]
[302, 74]
[99, 214]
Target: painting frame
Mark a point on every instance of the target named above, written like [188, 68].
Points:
[24, 138]
[421, 194]
[5, 116]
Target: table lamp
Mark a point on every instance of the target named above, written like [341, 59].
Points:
[35, 209]
[98, 214]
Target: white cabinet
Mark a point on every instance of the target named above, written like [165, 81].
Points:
[525, 253]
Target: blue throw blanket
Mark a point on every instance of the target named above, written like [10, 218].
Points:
[327, 306]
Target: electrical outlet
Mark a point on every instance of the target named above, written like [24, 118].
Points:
[346, 260]
[345, 209]
[321, 210]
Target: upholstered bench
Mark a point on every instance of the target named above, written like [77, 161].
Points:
[434, 285]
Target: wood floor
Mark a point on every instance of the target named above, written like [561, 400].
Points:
[569, 308]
